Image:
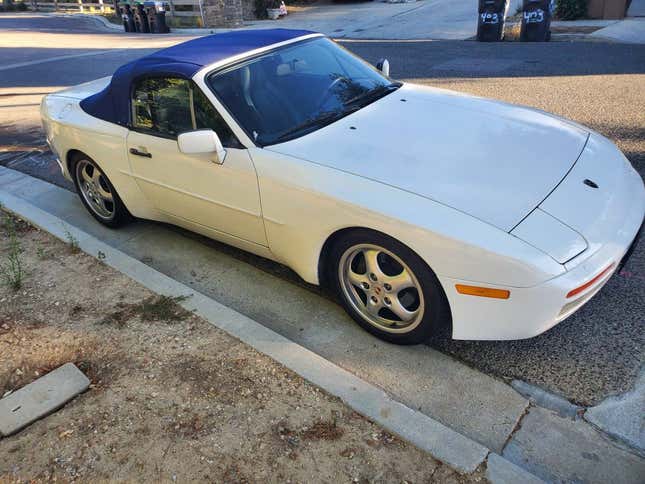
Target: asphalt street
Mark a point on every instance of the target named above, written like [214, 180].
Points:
[595, 353]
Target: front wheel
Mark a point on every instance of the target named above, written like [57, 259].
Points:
[98, 194]
[387, 288]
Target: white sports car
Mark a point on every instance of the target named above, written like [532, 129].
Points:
[422, 208]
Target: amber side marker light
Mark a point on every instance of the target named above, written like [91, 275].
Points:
[483, 291]
[590, 283]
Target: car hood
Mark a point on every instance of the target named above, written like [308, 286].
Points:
[492, 160]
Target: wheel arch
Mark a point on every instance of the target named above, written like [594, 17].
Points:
[71, 156]
[323, 260]
[323, 256]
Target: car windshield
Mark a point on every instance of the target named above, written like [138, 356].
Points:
[295, 90]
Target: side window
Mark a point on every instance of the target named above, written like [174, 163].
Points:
[170, 106]
[162, 106]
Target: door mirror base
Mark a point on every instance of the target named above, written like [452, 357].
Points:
[383, 65]
[202, 141]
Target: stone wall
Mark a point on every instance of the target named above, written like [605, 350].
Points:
[223, 13]
[248, 9]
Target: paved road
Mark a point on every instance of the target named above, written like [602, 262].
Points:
[593, 354]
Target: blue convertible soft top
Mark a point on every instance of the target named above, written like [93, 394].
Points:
[183, 60]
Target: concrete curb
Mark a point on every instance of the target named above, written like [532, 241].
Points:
[548, 400]
[443, 443]
[99, 18]
[105, 22]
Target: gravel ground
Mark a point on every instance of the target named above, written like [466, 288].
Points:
[172, 398]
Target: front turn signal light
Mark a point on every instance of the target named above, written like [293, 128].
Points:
[483, 291]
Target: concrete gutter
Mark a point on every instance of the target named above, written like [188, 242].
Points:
[440, 441]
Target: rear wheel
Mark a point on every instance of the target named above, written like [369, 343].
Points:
[387, 288]
[97, 193]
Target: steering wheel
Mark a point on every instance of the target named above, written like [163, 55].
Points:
[329, 92]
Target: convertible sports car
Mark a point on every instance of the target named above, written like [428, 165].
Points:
[422, 208]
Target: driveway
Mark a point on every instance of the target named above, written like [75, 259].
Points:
[426, 19]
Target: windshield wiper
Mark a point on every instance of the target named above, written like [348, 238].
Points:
[317, 122]
[373, 94]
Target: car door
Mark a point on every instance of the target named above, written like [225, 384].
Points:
[218, 194]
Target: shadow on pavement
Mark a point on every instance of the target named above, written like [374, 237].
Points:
[466, 59]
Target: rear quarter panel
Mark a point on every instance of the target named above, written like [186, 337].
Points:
[68, 129]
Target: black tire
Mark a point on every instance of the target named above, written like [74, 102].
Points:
[120, 215]
[436, 316]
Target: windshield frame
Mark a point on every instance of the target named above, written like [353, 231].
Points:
[220, 68]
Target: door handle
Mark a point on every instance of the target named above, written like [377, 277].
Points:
[145, 154]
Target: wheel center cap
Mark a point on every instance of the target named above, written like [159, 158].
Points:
[377, 290]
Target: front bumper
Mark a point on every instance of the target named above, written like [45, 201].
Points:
[531, 311]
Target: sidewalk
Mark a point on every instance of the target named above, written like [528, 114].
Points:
[551, 443]
[423, 20]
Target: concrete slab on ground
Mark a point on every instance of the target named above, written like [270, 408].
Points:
[41, 398]
[623, 416]
[501, 471]
[559, 449]
[476, 405]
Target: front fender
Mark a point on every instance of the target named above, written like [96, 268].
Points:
[304, 203]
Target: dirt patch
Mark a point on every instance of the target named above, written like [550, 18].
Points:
[172, 398]
[151, 309]
[323, 430]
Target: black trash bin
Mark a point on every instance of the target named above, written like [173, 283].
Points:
[156, 12]
[128, 17]
[141, 19]
[492, 17]
[536, 20]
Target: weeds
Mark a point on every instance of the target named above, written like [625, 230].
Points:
[11, 270]
[72, 242]
[42, 253]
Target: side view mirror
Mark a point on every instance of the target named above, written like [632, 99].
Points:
[201, 141]
[383, 65]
